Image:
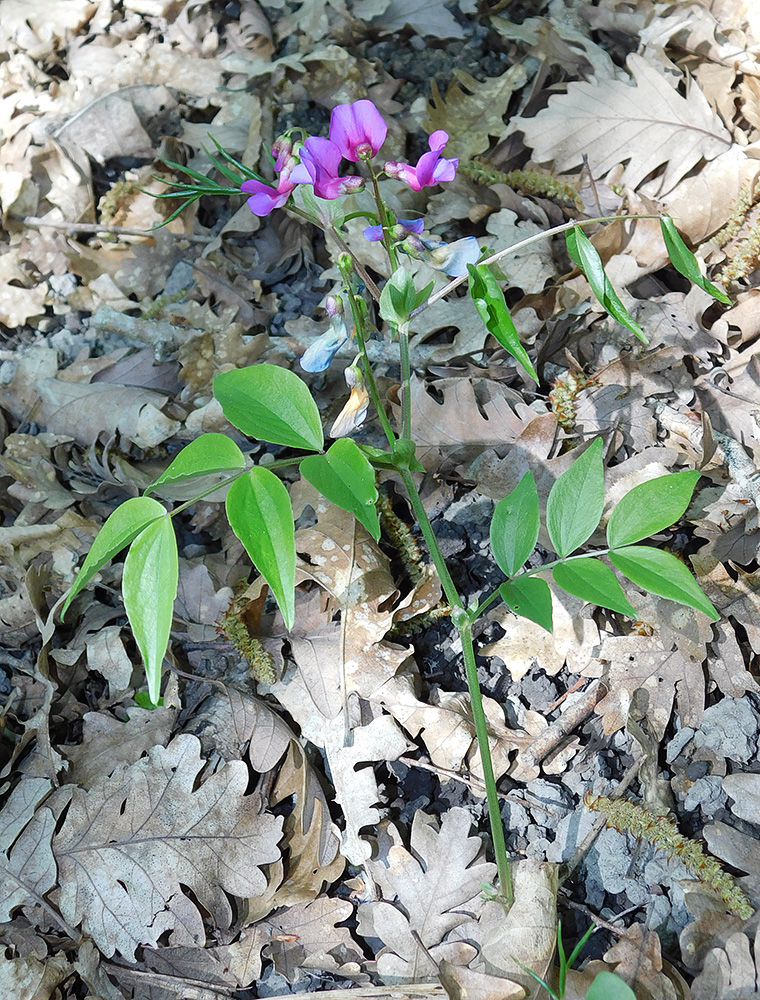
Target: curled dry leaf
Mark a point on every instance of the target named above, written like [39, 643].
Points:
[526, 936]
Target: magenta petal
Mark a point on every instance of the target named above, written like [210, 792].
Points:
[425, 169]
[444, 170]
[355, 125]
[438, 140]
[322, 153]
[265, 198]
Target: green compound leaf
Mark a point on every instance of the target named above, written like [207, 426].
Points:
[529, 597]
[594, 582]
[271, 404]
[125, 524]
[345, 477]
[608, 986]
[490, 303]
[149, 586]
[576, 501]
[585, 255]
[514, 526]
[662, 574]
[260, 514]
[208, 455]
[684, 261]
[650, 507]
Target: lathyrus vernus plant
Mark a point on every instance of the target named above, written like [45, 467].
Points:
[274, 405]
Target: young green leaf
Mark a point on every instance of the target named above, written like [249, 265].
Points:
[260, 514]
[149, 586]
[594, 582]
[492, 307]
[529, 597]
[576, 501]
[662, 574]
[346, 478]
[121, 527]
[514, 526]
[272, 404]
[584, 253]
[208, 455]
[650, 507]
[398, 297]
[608, 986]
[684, 261]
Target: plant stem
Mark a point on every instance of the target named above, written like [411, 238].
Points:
[463, 625]
[459, 615]
[384, 219]
[406, 381]
[359, 314]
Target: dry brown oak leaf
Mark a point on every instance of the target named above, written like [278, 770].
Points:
[128, 843]
[648, 126]
[431, 889]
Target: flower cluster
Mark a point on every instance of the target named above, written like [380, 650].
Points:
[357, 132]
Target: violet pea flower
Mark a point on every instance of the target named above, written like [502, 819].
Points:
[320, 159]
[375, 233]
[319, 354]
[431, 168]
[264, 198]
[451, 258]
[354, 412]
[358, 130]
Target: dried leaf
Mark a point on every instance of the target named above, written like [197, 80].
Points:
[109, 745]
[28, 871]
[430, 889]
[526, 935]
[647, 126]
[149, 826]
[471, 112]
[667, 676]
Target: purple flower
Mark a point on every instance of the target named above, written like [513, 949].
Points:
[375, 233]
[265, 198]
[321, 158]
[431, 168]
[357, 129]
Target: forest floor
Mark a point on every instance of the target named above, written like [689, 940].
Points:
[305, 810]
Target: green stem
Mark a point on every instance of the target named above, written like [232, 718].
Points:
[406, 381]
[494, 596]
[384, 221]
[463, 625]
[481, 731]
[359, 315]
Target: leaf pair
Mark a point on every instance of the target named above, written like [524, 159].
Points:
[150, 576]
[273, 404]
[583, 252]
[266, 402]
[490, 303]
[573, 511]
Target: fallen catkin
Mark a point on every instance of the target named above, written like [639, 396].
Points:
[628, 817]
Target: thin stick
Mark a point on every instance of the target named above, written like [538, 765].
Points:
[95, 227]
